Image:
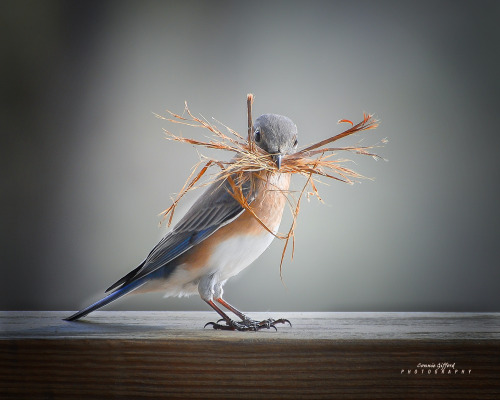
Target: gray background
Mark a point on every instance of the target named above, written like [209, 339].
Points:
[86, 168]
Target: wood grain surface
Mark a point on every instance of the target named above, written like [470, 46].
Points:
[324, 355]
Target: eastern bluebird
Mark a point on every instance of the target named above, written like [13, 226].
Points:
[218, 238]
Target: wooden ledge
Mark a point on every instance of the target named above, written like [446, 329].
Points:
[324, 355]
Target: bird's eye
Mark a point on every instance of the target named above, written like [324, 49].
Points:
[295, 143]
[257, 136]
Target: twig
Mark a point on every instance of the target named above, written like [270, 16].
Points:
[250, 122]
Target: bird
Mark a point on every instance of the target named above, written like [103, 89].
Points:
[218, 237]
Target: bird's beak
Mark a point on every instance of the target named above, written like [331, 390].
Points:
[277, 159]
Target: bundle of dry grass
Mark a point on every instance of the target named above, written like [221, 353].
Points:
[312, 162]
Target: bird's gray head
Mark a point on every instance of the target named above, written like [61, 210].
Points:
[275, 134]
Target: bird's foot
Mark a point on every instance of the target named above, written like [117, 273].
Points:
[247, 324]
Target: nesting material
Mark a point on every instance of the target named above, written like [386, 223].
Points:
[312, 162]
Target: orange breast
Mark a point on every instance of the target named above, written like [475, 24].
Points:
[268, 206]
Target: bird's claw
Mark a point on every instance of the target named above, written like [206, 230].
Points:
[248, 324]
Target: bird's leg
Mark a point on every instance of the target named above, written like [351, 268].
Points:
[234, 310]
[224, 316]
[231, 325]
[246, 323]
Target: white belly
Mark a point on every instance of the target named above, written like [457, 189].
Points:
[229, 258]
[237, 253]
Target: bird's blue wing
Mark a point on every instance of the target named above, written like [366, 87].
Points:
[214, 209]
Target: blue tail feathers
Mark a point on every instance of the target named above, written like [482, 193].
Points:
[108, 299]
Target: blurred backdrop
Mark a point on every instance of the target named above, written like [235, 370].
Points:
[86, 168]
